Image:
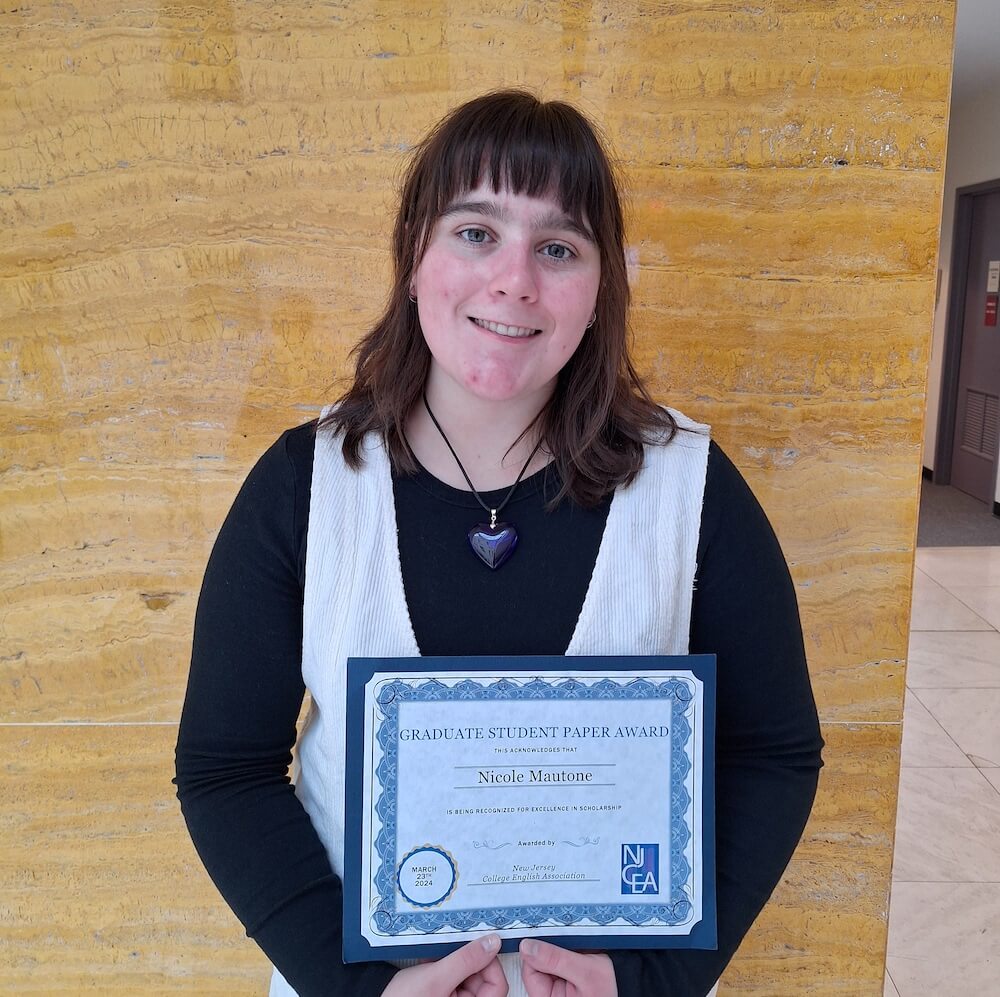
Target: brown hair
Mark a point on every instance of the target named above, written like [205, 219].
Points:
[600, 414]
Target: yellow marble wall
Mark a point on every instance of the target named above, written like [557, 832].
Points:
[194, 201]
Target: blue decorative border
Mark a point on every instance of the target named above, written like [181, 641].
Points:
[387, 919]
[394, 691]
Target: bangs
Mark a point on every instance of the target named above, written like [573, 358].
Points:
[525, 147]
[510, 140]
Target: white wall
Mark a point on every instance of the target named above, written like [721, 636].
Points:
[973, 156]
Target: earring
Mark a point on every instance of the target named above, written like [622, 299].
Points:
[411, 295]
[593, 319]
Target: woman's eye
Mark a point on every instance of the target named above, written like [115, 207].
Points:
[477, 236]
[556, 251]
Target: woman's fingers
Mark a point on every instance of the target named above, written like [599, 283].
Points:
[488, 982]
[537, 983]
[494, 981]
[554, 961]
[550, 971]
[453, 970]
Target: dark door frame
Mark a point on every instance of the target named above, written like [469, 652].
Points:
[954, 323]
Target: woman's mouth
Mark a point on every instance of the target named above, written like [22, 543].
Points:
[511, 331]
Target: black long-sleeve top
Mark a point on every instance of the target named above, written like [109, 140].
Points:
[245, 692]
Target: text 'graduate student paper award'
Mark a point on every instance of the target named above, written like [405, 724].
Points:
[561, 798]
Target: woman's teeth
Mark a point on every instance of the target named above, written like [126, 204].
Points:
[516, 331]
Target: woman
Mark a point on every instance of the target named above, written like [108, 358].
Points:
[498, 377]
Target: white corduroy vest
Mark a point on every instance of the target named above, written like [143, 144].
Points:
[638, 601]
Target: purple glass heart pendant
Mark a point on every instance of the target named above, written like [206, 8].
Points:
[493, 544]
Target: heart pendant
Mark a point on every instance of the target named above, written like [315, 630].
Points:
[493, 544]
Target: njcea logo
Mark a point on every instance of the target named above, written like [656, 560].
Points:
[640, 869]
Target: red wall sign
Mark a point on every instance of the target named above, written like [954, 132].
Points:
[991, 308]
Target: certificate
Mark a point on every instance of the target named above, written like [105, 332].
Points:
[565, 798]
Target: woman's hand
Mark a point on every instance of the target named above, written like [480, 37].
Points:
[549, 971]
[471, 971]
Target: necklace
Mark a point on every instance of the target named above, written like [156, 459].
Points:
[493, 542]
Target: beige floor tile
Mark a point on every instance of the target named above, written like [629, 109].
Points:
[953, 660]
[960, 565]
[994, 777]
[934, 608]
[983, 600]
[888, 988]
[969, 716]
[947, 828]
[925, 742]
[944, 938]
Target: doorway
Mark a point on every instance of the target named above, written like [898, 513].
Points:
[969, 422]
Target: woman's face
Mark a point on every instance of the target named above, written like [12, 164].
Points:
[505, 290]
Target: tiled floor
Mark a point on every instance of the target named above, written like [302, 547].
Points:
[944, 919]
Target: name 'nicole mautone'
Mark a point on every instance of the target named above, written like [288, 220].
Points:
[510, 777]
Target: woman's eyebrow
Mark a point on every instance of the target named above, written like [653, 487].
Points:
[553, 219]
[489, 208]
[560, 220]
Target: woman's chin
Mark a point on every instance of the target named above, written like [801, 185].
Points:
[489, 383]
[498, 391]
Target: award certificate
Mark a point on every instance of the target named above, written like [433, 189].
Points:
[565, 798]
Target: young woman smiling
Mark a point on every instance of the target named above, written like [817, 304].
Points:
[496, 386]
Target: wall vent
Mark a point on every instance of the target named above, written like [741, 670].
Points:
[981, 428]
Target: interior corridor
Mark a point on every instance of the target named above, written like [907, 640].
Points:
[944, 920]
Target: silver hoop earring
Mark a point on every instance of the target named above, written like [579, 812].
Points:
[593, 319]
[411, 296]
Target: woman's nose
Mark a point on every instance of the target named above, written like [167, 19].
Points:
[515, 274]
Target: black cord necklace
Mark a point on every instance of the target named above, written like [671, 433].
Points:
[493, 543]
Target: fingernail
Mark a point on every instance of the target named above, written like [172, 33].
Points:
[491, 942]
[529, 946]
